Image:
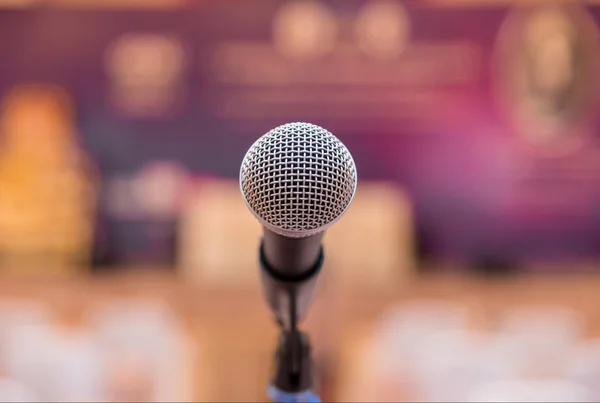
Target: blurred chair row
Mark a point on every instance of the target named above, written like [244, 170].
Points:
[433, 351]
[126, 350]
[136, 349]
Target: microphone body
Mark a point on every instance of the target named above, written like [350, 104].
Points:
[291, 256]
[297, 180]
[289, 270]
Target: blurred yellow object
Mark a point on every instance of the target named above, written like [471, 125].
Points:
[372, 245]
[47, 196]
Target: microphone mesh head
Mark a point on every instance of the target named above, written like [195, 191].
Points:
[298, 179]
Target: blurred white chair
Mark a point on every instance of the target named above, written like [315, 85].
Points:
[17, 313]
[444, 368]
[426, 313]
[12, 391]
[26, 335]
[21, 312]
[558, 323]
[143, 335]
[405, 325]
[133, 313]
[539, 341]
[77, 372]
[499, 359]
[529, 391]
[398, 344]
[28, 352]
[584, 367]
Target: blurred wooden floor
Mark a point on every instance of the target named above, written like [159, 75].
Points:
[235, 337]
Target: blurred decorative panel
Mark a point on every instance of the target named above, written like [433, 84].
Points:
[352, 65]
[219, 237]
[372, 244]
[47, 202]
[484, 114]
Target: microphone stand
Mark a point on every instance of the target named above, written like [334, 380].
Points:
[292, 378]
[293, 375]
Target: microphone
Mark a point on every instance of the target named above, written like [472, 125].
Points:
[297, 180]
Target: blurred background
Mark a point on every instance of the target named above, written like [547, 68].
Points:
[465, 269]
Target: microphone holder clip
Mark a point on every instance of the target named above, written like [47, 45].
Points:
[293, 359]
[292, 379]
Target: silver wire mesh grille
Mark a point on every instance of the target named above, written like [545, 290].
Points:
[298, 179]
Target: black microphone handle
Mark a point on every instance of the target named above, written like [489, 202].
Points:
[291, 257]
[290, 268]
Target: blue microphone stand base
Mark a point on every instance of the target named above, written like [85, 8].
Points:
[280, 396]
[293, 376]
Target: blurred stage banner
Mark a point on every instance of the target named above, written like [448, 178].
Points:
[485, 114]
